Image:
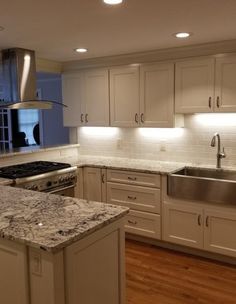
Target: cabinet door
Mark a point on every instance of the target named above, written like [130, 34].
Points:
[97, 98]
[157, 95]
[183, 224]
[124, 96]
[226, 84]
[219, 233]
[73, 97]
[94, 184]
[194, 86]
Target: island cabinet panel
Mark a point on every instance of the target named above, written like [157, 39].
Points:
[219, 232]
[13, 273]
[95, 268]
[183, 224]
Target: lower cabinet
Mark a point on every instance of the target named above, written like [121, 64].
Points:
[201, 227]
[94, 184]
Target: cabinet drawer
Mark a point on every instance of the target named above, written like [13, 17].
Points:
[144, 224]
[134, 197]
[134, 178]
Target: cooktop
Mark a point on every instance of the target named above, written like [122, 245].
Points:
[31, 169]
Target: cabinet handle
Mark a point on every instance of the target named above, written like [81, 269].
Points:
[103, 178]
[132, 222]
[132, 178]
[132, 197]
[209, 102]
[86, 117]
[218, 101]
[142, 117]
[136, 118]
[207, 221]
[82, 118]
[199, 220]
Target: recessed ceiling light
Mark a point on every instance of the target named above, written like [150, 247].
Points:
[2, 28]
[112, 2]
[81, 50]
[182, 35]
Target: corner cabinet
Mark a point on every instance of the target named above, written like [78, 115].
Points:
[86, 95]
[206, 85]
[124, 96]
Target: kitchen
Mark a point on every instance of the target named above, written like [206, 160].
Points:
[159, 102]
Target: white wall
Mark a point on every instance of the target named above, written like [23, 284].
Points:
[189, 144]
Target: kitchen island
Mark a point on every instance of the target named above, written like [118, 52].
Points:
[59, 250]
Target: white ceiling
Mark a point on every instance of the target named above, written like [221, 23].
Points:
[55, 27]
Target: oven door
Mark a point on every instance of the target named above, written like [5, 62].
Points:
[64, 191]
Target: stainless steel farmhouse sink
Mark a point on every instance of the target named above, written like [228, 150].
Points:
[201, 184]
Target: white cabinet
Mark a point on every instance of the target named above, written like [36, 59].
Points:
[206, 85]
[141, 193]
[124, 96]
[73, 98]
[157, 95]
[194, 86]
[183, 224]
[94, 188]
[226, 84]
[219, 232]
[86, 95]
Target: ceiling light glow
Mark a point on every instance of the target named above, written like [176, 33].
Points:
[182, 35]
[81, 50]
[112, 2]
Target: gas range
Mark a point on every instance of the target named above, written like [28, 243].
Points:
[45, 176]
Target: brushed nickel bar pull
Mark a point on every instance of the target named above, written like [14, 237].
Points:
[199, 220]
[86, 117]
[82, 118]
[142, 117]
[209, 102]
[132, 178]
[132, 222]
[218, 101]
[136, 118]
[132, 197]
[207, 221]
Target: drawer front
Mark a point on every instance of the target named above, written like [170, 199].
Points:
[134, 197]
[134, 178]
[144, 224]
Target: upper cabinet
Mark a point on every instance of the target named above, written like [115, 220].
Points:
[142, 97]
[87, 96]
[157, 95]
[124, 96]
[206, 85]
[194, 86]
[225, 84]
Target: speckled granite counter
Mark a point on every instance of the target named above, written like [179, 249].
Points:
[49, 221]
[149, 166]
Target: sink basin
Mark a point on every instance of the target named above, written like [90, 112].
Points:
[201, 184]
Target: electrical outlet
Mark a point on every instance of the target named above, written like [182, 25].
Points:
[119, 143]
[163, 146]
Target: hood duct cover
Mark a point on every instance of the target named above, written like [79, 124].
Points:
[19, 76]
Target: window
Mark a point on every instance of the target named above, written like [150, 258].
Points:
[27, 120]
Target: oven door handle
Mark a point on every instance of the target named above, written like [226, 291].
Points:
[55, 190]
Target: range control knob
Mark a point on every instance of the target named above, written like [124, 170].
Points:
[49, 184]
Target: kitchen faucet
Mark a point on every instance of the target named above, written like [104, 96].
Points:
[219, 154]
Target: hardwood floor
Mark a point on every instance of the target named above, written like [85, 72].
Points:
[161, 276]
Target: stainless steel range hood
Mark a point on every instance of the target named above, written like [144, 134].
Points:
[19, 76]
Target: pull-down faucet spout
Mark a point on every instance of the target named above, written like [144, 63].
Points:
[220, 154]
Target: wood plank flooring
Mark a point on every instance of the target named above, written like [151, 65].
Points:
[160, 276]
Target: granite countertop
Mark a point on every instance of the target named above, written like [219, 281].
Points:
[148, 166]
[5, 181]
[51, 222]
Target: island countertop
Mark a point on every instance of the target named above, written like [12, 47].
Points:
[51, 222]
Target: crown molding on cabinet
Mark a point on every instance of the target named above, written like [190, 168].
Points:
[206, 49]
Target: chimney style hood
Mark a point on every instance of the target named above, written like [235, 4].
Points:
[19, 76]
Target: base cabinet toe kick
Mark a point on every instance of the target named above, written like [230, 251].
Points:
[88, 271]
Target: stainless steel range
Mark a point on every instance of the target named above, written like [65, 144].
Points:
[44, 176]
